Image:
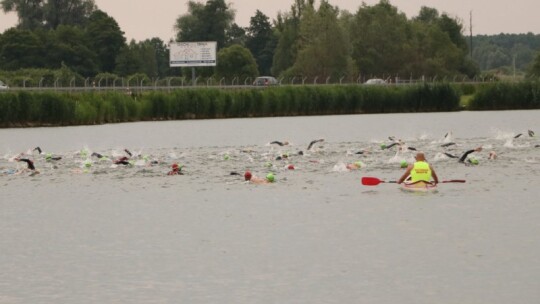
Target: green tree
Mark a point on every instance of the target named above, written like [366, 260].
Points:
[137, 57]
[161, 52]
[20, 49]
[261, 41]
[433, 52]
[66, 46]
[67, 12]
[381, 39]
[236, 61]
[236, 35]
[427, 15]
[205, 22]
[534, 70]
[286, 32]
[323, 49]
[34, 14]
[105, 38]
[29, 12]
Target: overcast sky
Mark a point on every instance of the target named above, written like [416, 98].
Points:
[142, 19]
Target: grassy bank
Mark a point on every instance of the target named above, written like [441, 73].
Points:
[507, 96]
[49, 108]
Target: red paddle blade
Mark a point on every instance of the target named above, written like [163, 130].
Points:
[371, 181]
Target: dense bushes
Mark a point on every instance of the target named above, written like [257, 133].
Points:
[507, 96]
[51, 108]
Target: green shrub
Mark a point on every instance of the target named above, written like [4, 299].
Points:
[60, 108]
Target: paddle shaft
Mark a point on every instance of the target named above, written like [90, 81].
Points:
[373, 181]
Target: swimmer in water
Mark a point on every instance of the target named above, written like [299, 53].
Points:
[448, 144]
[362, 152]
[465, 155]
[531, 133]
[122, 161]
[48, 156]
[99, 156]
[248, 177]
[354, 166]
[401, 144]
[314, 142]
[279, 143]
[176, 170]
[30, 165]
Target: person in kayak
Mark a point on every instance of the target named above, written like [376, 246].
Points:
[421, 170]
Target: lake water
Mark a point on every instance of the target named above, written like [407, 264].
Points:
[108, 234]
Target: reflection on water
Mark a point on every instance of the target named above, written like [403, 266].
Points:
[87, 231]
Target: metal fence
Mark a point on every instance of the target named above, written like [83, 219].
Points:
[135, 84]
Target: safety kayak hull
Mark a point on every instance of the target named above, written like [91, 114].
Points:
[419, 187]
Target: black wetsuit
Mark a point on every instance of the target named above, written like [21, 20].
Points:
[277, 143]
[38, 149]
[122, 161]
[391, 145]
[464, 156]
[448, 144]
[97, 155]
[314, 142]
[129, 153]
[450, 155]
[29, 163]
[517, 136]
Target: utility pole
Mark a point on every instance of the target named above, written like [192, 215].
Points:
[470, 29]
[514, 64]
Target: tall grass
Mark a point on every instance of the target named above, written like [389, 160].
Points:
[50, 108]
[507, 96]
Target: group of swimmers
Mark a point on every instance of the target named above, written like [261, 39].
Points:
[176, 169]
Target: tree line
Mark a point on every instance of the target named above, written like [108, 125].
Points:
[309, 40]
[507, 53]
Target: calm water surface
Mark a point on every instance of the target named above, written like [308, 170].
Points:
[108, 234]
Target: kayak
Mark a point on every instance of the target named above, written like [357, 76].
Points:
[419, 187]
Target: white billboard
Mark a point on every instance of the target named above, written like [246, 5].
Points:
[193, 54]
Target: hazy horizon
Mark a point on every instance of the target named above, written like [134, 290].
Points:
[145, 19]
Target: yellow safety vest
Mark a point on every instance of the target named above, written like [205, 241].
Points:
[420, 172]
